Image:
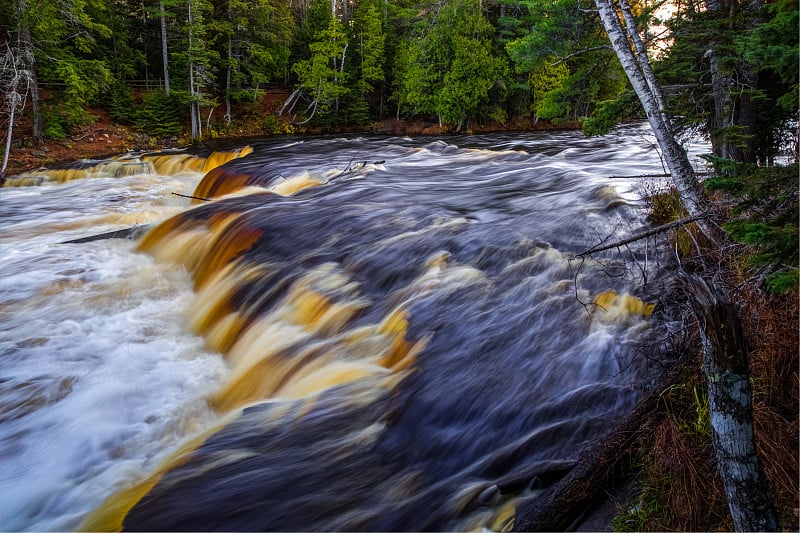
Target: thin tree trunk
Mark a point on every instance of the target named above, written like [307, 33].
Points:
[723, 107]
[194, 112]
[9, 134]
[733, 114]
[164, 52]
[674, 155]
[228, 85]
[725, 363]
[721, 85]
[30, 64]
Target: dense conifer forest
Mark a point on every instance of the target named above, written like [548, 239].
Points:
[169, 67]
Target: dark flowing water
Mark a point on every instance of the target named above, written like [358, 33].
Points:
[373, 349]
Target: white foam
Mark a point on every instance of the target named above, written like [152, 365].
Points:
[95, 341]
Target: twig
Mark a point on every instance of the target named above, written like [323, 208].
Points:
[193, 197]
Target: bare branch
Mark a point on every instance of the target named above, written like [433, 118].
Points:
[639, 236]
[584, 51]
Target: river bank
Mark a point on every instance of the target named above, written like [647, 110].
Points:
[105, 136]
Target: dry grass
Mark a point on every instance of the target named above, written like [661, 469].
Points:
[680, 487]
[771, 327]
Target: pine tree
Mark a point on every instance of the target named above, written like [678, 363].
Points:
[452, 66]
[323, 77]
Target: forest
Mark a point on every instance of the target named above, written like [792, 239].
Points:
[171, 67]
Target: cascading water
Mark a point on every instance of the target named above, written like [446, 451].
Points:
[379, 348]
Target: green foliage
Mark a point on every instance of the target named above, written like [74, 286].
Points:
[270, 125]
[609, 113]
[54, 128]
[766, 215]
[370, 39]
[449, 65]
[256, 35]
[322, 76]
[159, 115]
[754, 106]
[783, 281]
[773, 47]
[566, 57]
[121, 104]
[457, 61]
[547, 82]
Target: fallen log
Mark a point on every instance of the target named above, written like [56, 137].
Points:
[133, 233]
[599, 469]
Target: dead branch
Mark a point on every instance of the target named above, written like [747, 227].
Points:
[193, 197]
[643, 235]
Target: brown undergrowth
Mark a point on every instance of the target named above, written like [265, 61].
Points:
[678, 485]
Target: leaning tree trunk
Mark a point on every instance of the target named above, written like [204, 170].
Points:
[641, 53]
[674, 155]
[726, 368]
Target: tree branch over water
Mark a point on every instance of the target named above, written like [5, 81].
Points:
[655, 231]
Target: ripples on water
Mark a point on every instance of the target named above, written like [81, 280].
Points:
[379, 347]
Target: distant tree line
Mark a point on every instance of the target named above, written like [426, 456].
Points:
[350, 62]
[346, 62]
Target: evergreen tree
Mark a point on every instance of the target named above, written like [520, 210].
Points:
[562, 50]
[323, 77]
[734, 73]
[255, 36]
[451, 65]
[369, 37]
[62, 46]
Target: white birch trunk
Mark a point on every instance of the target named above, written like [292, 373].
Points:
[641, 53]
[8, 143]
[164, 51]
[674, 155]
[725, 363]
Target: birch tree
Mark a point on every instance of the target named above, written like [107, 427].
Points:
[638, 70]
[725, 358]
[15, 81]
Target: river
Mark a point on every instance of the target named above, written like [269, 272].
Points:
[368, 333]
